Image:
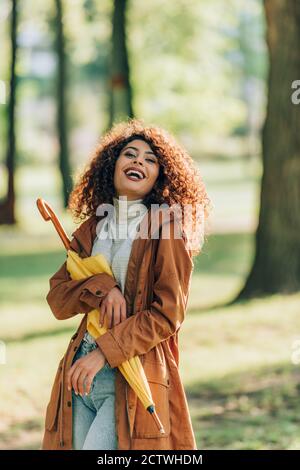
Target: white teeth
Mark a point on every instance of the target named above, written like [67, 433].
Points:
[135, 174]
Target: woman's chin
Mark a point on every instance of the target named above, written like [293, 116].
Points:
[130, 190]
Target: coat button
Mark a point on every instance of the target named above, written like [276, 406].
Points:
[69, 403]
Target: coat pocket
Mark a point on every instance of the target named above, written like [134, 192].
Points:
[53, 405]
[144, 424]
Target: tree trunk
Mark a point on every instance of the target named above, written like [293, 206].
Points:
[276, 267]
[7, 205]
[62, 124]
[120, 89]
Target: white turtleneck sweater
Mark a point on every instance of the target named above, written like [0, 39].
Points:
[115, 238]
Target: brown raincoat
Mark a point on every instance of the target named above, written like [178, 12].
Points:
[156, 292]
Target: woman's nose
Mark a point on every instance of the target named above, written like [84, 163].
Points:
[138, 160]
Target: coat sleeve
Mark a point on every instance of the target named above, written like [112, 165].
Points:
[142, 331]
[68, 297]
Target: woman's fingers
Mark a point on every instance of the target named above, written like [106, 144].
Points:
[81, 374]
[80, 381]
[68, 378]
[109, 313]
[117, 314]
[102, 313]
[74, 378]
[113, 309]
[88, 383]
[69, 375]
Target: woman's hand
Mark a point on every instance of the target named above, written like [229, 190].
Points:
[114, 307]
[84, 369]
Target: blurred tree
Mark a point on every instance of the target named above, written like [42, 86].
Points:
[252, 69]
[7, 205]
[276, 266]
[120, 90]
[62, 122]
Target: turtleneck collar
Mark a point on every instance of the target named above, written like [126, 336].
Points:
[125, 208]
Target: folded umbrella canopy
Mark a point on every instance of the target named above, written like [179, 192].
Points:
[80, 268]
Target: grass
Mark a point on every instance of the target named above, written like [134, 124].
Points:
[253, 409]
[235, 361]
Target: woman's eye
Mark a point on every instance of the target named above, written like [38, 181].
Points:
[132, 155]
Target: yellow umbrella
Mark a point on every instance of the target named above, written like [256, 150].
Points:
[80, 268]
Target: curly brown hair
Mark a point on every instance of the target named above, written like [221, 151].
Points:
[179, 181]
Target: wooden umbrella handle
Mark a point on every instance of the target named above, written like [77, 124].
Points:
[48, 214]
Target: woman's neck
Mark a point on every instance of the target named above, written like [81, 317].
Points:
[123, 207]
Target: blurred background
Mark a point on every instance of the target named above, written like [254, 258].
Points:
[219, 75]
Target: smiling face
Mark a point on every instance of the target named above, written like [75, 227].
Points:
[136, 170]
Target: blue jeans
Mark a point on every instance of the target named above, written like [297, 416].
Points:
[94, 426]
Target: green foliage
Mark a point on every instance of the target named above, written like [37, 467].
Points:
[189, 62]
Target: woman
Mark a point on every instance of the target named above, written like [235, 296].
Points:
[134, 168]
